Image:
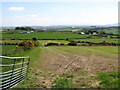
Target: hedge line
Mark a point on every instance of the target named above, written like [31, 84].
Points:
[84, 43]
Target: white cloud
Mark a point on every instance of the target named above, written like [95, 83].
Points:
[26, 16]
[32, 15]
[16, 8]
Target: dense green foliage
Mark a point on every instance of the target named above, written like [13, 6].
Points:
[23, 28]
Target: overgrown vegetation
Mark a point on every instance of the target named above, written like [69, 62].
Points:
[27, 45]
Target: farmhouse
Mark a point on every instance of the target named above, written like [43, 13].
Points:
[93, 33]
[26, 32]
[30, 31]
[82, 33]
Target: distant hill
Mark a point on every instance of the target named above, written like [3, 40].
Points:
[116, 24]
[56, 27]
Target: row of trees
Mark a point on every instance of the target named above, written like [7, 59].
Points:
[24, 28]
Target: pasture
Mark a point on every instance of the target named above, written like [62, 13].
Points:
[43, 35]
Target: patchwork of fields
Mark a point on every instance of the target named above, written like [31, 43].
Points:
[66, 66]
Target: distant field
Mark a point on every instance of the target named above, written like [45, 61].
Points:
[13, 31]
[114, 31]
[98, 40]
[44, 35]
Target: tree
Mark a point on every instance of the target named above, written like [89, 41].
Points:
[24, 28]
[17, 28]
[34, 39]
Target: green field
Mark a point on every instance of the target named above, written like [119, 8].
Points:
[12, 31]
[43, 35]
[98, 40]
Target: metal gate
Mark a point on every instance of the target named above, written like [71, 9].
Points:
[13, 70]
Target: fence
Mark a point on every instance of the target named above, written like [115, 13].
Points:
[14, 70]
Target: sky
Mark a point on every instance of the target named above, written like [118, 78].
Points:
[59, 12]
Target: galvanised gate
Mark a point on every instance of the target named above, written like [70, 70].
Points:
[13, 70]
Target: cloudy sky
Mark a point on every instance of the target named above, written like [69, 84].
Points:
[59, 12]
